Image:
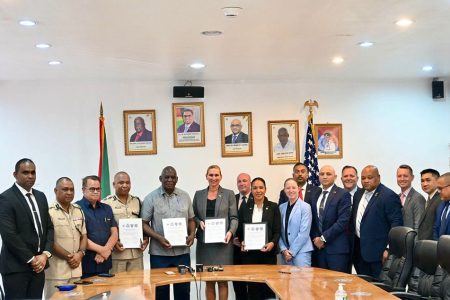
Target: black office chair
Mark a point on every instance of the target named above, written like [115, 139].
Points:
[426, 276]
[443, 254]
[397, 269]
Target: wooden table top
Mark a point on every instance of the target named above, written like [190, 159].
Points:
[288, 283]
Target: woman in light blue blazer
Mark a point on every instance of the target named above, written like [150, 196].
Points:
[295, 245]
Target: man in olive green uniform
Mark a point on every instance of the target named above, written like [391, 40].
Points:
[125, 206]
[70, 238]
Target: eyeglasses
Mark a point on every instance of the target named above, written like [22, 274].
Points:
[443, 188]
[94, 190]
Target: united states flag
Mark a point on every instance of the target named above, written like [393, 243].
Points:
[311, 154]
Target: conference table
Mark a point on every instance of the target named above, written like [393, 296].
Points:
[288, 283]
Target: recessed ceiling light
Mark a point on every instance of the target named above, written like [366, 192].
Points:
[338, 60]
[197, 66]
[54, 62]
[366, 44]
[212, 32]
[43, 45]
[404, 22]
[427, 68]
[231, 11]
[27, 23]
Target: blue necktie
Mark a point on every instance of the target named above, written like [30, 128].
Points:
[233, 141]
[444, 219]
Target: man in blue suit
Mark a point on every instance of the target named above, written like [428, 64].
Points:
[442, 223]
[376, 210]
[331, 212]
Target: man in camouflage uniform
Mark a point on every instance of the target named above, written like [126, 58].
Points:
[125, 206]
[70, 238]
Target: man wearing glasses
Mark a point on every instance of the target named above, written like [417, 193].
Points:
[101, 229]
[442, 223]
[189, 124]
[70, 239]
[237, 136]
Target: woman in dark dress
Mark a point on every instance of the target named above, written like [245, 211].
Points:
[260, 209]
[215, 202]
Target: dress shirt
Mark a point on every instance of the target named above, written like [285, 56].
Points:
[257, 214]
[365, 199]
[324, 201]
[352, 193]
[406, 195]
[240, 199]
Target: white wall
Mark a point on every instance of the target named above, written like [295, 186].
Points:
[56, 125]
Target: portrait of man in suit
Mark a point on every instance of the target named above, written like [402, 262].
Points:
[189, 124]
[142, 134]
[27, 235]
[236, 136]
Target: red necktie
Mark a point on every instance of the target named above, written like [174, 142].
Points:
[301, 193]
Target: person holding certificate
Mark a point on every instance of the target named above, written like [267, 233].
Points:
[259, 230]
[216, 215]
[296, 218]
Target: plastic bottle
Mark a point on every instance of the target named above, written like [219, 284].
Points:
[340, 294]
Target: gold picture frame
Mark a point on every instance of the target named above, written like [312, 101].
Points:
[236, 134]
[283, 142]
[328, 140]
[140, 132]
[188, 124]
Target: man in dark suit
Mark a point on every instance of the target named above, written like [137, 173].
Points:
[428, 181]
[27, 235]
[308, 191]
[237, 135]
[331, 212]
[189, 124]
[377, 209]
[413, 203]
[442, 223]
[243, 185]
[142, 134]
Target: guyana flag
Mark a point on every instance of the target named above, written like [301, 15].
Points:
[103, 165]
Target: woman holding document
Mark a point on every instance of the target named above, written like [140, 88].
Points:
[259, 231]
[296, 217]
[216, 216]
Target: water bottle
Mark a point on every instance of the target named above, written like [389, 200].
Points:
[340, 294]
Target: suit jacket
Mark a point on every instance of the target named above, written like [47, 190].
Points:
[299, 226]
[438, 222]
[19, 236]
[413, 209]
[241, 138]
[193, 128]
[311, 192]
[225, 208]
[271, 215]
[428, 218]
[335, 220]
[383, 212]
[145, 137]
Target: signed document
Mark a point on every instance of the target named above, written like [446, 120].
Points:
[175, 231]
[255, 235]
[215, 230]
[130, 232]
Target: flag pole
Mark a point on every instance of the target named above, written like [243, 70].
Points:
[310, 157]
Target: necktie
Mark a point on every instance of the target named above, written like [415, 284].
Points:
[428, 202]
[186, 128]
[402, 198]
[243, 200]
[301, 193]
[444, 220]
[36, 217]
[322, 208]
[233, 141]
[361, 211]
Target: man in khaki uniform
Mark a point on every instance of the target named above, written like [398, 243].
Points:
[70, 238]
[125, 206]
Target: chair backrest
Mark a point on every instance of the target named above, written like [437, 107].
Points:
[443, 257]
[397, 268]
[425, 267]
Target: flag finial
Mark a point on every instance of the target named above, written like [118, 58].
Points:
[101, 109]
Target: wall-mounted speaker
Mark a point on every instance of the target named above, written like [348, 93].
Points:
[188, 92]
[437, 88]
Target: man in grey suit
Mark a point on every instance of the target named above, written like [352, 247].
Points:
[428, 180]
[413, 203]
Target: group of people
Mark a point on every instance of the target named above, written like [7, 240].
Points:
[328, 226]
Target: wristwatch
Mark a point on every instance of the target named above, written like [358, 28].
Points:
[48, 254]
[322, 239]
[82, 251]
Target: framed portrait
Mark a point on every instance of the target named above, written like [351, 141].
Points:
[237, 136]
[188, 124]
[283, 142]
[328, 138]
[139, 131]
